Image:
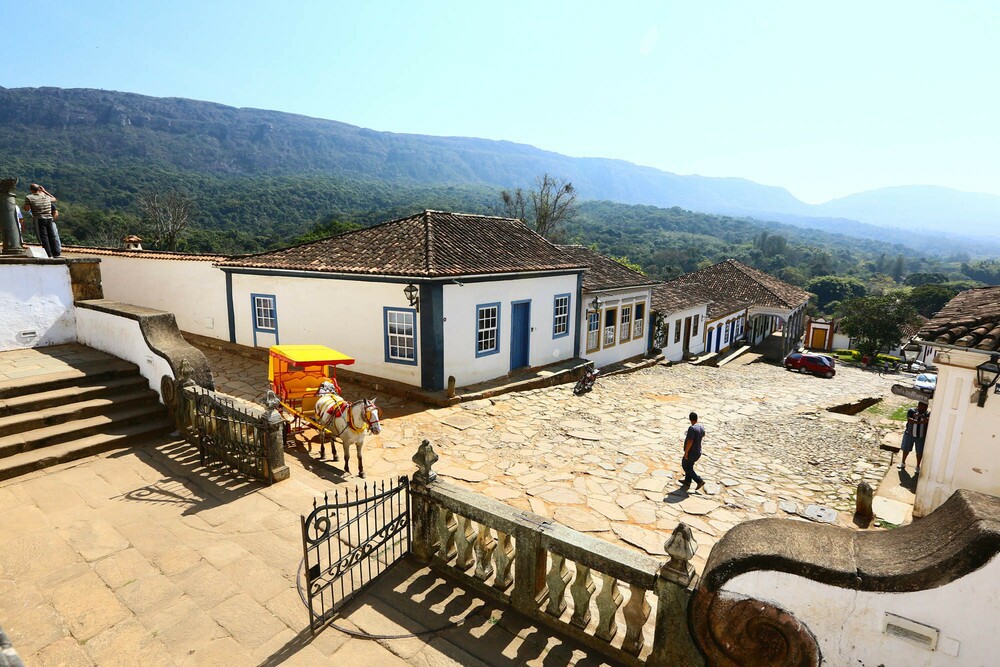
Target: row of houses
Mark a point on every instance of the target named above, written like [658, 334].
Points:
[436, 295]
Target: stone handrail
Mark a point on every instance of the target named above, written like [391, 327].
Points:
[550, 573]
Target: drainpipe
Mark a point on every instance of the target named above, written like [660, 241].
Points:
[12, 246]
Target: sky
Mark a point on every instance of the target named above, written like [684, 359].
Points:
[824, 99]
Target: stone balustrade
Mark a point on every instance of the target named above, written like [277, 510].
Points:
[624, 604]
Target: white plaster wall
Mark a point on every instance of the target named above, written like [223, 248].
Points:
[343, 314]
[848, 624]
[718, 325]
[193, 290]
[121, 337]
[619, 351]
[460, 325]
[675, 351]
[962, 450]
[35, 298]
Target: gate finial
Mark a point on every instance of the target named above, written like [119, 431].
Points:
[425, 458]
[681, 547]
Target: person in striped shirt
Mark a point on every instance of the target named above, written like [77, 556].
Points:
[39, 202]
[915, 433]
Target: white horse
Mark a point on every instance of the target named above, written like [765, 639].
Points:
[348, 421]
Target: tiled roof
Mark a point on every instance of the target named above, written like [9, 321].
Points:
[732, 285]
[670, 298]
[604, 273]
[144, 254]
[971, 319]
[429, 244]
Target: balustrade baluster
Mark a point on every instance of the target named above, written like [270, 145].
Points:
[503, 557]
[557, 579]
[608, 602]
[581, 590]
[636, 612]
[463, 543]
[485, 544]
[446, 528]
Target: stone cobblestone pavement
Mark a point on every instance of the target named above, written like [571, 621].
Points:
[608, 462]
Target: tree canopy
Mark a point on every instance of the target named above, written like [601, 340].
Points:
[835, 288]
[876, 322]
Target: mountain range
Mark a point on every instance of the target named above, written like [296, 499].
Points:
[47, 128]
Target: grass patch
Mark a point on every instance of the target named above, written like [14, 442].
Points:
[889, 412]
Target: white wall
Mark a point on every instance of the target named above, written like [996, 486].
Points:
[719, 325]
[193, 290]
[675, 351]
[39, 298]
[460, 325]
[848, 624]
[346, 315]
[962, 450]
[619, 351]
[121, 337]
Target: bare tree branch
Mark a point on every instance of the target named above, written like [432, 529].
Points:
[167, 216]
[551, 202]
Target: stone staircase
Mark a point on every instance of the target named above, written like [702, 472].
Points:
[73, 412]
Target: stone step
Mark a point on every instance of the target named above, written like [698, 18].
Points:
[111, 422]
[45, 399]
[84, 372]
[74, 410]
[121, 436]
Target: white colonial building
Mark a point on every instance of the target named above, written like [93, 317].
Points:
[962, 450]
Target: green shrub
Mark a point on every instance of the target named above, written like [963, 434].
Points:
[887, 357]
[848, 354]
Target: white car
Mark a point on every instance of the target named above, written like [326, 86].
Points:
[925, 382]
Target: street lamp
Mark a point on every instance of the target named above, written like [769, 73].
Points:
[596, 304]
[910, 353]
[987, 373]
[412, 293]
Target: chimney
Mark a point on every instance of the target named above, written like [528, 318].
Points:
[133, 242]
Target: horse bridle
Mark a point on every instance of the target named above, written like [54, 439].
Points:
[367, 416]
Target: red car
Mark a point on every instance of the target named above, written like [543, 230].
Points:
[817, 364]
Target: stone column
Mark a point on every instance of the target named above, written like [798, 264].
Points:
[8, 220]
[423, 541]
[672, 641]
[275, 424]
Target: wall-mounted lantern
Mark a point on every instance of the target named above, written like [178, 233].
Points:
[412, 293]
[910, 353]
[596, 304]
[987, 373]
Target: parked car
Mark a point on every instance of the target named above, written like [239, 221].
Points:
[817, 364]
[925, 382]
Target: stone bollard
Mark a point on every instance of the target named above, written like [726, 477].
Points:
[275, 425]
[863, 508]
[9, 233]
[672, 641]
[451, 386]
[423, 538]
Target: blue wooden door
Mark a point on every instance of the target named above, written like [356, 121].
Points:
[520, 333]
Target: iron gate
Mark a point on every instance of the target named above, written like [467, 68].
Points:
[349, 542]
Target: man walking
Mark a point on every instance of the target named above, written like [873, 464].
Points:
[39, 202]
[692, 452]
[915, 434]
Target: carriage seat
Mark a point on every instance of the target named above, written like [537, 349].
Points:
[301, 387]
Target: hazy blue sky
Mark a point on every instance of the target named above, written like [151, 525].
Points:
[824, 99]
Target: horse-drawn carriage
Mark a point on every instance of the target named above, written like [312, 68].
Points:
[304, 378]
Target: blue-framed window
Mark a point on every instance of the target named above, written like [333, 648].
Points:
[400, 333]
[593, 331]
[560, 316]
[264, 310]
[487, 329]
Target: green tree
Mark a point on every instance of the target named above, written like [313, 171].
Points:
[928, 299]
[876, 322]
[626, 262]
[917, 279]
[835, 288]
[898, 268]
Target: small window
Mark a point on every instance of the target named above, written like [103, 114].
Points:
[625, 327]
[593, 331]
[265, 314]
[640, 319]
[677, 331]
[694, 326]
[610, 326]
[487, 329]
[725, 333]
[400, 335]
[560, 316]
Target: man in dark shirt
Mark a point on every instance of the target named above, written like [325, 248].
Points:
[39, 202]
[915, 434]
[692, 452]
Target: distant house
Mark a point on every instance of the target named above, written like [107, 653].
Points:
[416, 299]
[961, 448]
[613, 307]
[681, 313]
[745, 305]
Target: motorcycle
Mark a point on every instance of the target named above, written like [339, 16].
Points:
[586, 383]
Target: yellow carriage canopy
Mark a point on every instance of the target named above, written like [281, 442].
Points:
[304, 356]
